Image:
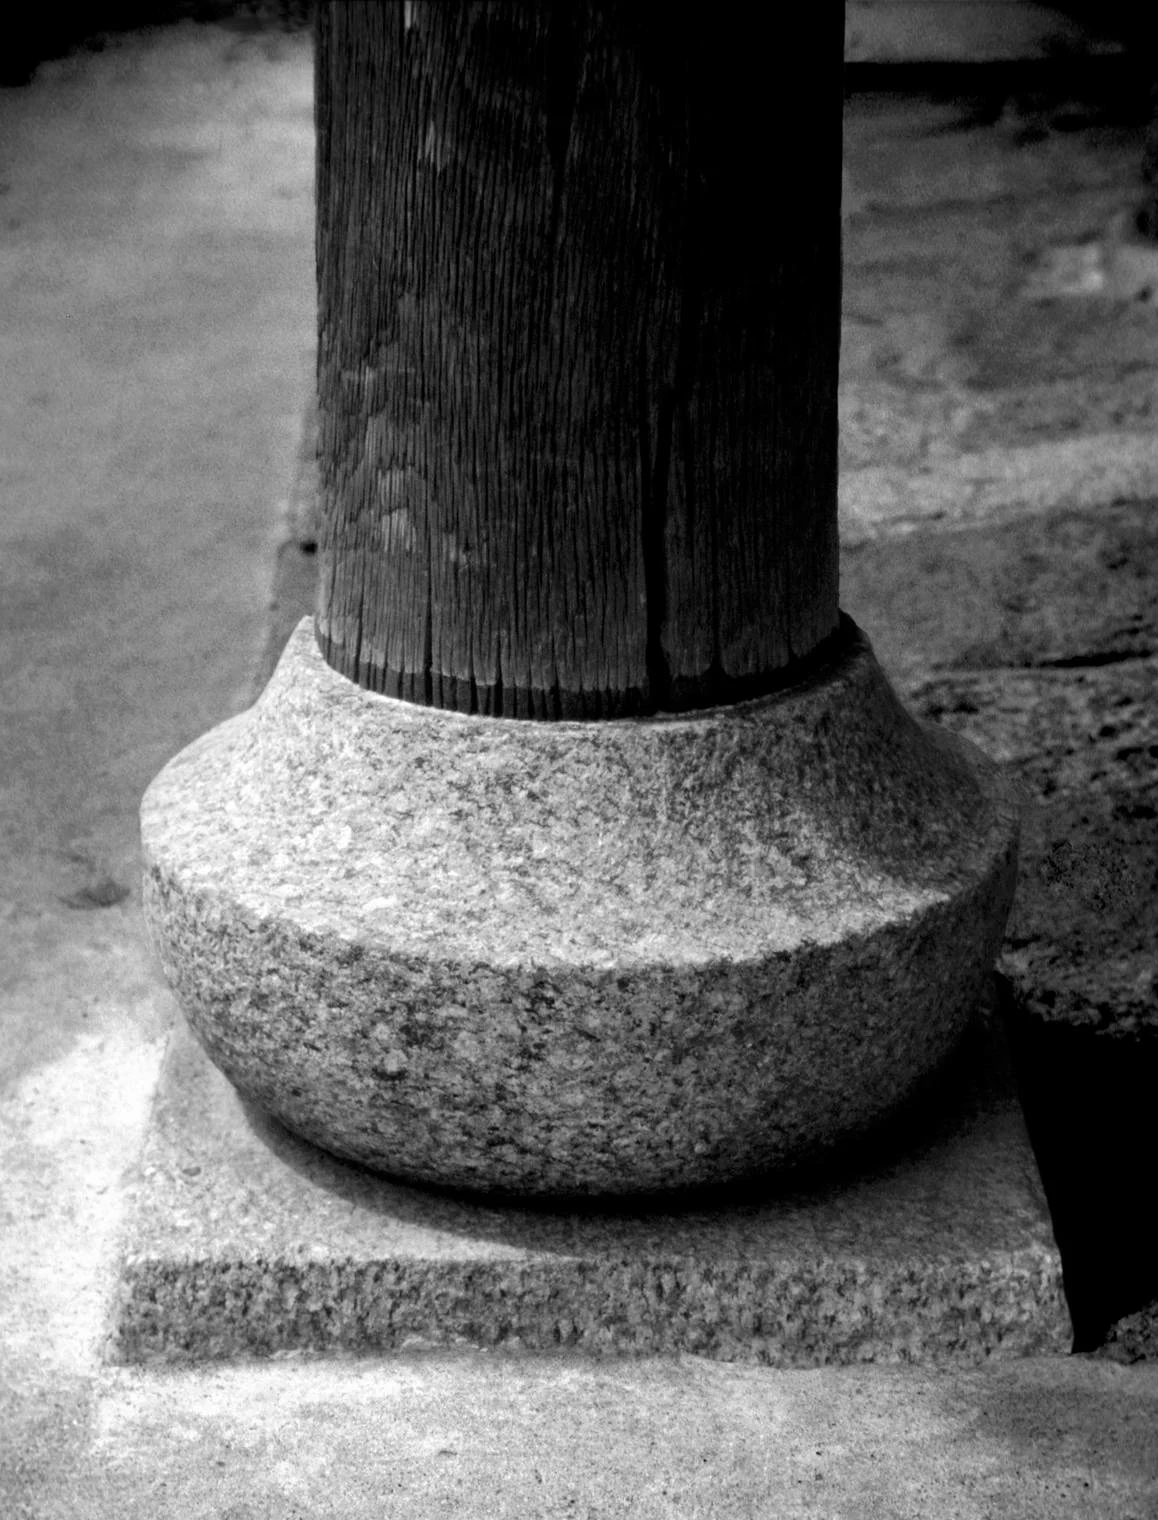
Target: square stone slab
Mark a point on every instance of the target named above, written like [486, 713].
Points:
[931, 1243]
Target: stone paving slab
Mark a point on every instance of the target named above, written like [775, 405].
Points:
[961, 31]
[1050, 665]
[245, 1240]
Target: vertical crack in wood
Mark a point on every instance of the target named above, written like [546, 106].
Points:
[562, 95]
[554, 360]
[651, 550]
[428, 640]
[655, 513]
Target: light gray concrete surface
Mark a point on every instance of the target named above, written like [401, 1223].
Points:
[682, 1440]
[155, 341]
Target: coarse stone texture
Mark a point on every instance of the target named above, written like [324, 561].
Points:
[1049, 661]
[1050, 664]
[1082, 743]
[932, 1244]
[577, 958]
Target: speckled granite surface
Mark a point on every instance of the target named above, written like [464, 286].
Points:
[576, 958]
[933, 1244]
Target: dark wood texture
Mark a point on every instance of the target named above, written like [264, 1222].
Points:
[579, 282]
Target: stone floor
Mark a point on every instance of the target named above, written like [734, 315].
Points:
[1000, 472]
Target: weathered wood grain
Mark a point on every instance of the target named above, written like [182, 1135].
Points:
[579, 323]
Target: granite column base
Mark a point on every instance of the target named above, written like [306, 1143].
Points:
[578, 960]
[930, 1244]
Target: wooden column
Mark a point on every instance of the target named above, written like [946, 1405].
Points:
[579, 278]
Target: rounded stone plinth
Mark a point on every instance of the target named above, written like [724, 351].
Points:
[577, 958]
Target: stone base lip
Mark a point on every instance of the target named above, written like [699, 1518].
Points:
[578, 958]
[242, 1241]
